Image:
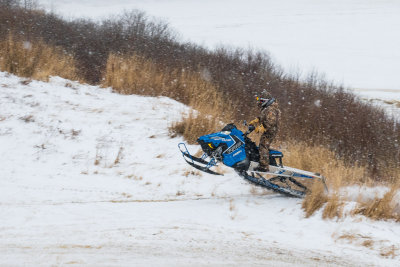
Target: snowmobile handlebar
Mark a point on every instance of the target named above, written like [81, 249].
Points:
[250, 129]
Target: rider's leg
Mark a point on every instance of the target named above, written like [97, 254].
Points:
[265, 143]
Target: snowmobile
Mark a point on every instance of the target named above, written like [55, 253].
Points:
[234, 149]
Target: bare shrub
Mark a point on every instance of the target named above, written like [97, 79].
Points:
[6, 4]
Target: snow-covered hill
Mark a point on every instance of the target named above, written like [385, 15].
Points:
[90, 177]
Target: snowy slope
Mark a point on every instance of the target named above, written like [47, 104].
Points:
[90, 177]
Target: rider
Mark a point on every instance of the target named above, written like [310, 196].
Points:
[266, 124]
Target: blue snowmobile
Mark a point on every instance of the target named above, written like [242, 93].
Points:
[234, 149]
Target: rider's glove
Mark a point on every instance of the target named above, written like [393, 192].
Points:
[255, 121]
[260, 129]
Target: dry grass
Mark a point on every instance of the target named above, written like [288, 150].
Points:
[322, 160]
[350, 237]
[133, 75]
[385, 250]
[193, 126]
[385, 208]
[368, 243]
[315, 200]
[98, 157]
[35, 60]
[186, 173]
[231, 205]
[136, 75]
[134, 177]
[233, 210]
[180, 193]
[337, 173]
[119, 156]
[334, 207]
[389, 252]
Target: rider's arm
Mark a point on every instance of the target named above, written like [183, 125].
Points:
[255, 122]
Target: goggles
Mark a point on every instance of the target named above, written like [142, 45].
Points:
[261, 100]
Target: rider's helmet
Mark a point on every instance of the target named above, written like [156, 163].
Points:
[265, 100]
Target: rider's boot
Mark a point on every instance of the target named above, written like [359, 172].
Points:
[262, 168]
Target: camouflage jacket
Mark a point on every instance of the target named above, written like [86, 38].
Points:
[270, 118]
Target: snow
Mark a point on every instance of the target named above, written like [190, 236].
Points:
[90, 177]
[389, 100]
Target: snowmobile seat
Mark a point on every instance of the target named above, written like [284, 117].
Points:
[275, 153]
[273, 156]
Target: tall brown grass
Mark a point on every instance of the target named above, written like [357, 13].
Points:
[137, 75]
[315, 200]
[35, 60]
[334, 206]
[195, 125]
[381, 208]
[338, 174]
[322, 160]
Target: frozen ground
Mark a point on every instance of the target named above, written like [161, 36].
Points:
[387, 99]
[89, 177]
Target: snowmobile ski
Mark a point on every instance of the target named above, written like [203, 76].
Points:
[192, 160]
